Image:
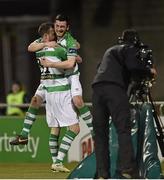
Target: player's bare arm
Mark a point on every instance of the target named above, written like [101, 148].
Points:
[67, 64]
[36, 46]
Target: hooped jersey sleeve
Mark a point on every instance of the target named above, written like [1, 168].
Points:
[62, 53]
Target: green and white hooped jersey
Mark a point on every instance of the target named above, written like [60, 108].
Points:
[69, 43]
[52, 77]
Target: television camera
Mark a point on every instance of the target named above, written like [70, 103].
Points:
[139, 90]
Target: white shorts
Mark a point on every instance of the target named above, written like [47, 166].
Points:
[76, 89]
[41, 92]
[59, 109]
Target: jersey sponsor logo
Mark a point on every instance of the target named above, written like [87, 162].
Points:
[72, 50]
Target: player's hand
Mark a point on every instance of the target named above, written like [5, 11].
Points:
[52, 44]
[79, 59]
[77, 45]
[46, 63]
[154, 72]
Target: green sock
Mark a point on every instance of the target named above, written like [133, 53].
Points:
[65, 145]
[85, 114]
[28, 121]
[53, 145]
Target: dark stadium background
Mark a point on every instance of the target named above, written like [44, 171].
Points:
[95, 23]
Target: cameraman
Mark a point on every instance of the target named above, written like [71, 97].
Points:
[110, 98]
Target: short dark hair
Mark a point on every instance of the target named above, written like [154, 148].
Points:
[44, 28]
[62, 17]
[130, 35]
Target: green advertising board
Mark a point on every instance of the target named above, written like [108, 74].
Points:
[37, 149]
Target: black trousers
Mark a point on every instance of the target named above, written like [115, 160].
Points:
[111, 100]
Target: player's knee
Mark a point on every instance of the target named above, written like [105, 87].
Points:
[78, 101]
[75, 128]
[36, 101]
[55, 131]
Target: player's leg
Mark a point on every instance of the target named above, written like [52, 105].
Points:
[76, 92]
[53, 144]
[53, 113]
[84, 112]
[66, 117]
[30, 117]
[52, 123]
[68, 138]
[65, 145]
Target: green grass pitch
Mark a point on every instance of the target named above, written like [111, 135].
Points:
[32, 171]
[36, 171]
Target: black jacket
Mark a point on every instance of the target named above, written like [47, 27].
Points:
[119, 64]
